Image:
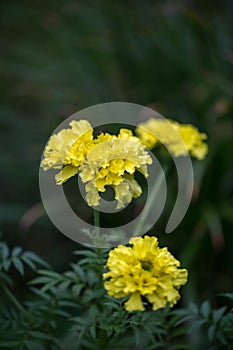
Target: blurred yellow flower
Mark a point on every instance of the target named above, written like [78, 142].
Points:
[144, 270]
[180, 139]
[112, 162]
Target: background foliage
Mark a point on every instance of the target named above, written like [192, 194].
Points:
[61, 56]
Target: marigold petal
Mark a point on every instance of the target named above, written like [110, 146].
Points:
[65, 174]
[134, 303]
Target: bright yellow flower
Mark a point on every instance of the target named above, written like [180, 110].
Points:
[144, 270]
[67, 149]
[180, 139]
[112, 162]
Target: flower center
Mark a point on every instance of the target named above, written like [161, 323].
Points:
[146, 265]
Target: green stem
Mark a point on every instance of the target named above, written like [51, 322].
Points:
[96, 218]
[12, 298]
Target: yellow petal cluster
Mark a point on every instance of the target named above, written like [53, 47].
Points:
[145, 270]
[112, 162]
[108, 160]
[180, 139]
[67, 149]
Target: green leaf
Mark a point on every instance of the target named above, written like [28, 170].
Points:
[39, 335]
[18, 265]
[217, 314]
[4, 250]
[193, 308]
[35, 258]
[227, 295]
[221, 337]
[42, 280]
[6, 264]
[211, 332]
[93, 331]
[76, 289]
[79, 271]
[205, 309]
[177, 332]
[28, 262]
[33, 345]
[16, 251]
[197, 324]
[183, 319]
[54, 275]
[87, 253]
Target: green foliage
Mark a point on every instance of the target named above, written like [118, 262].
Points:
[72, 310]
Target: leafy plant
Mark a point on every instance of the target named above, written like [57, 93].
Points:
[71, 310]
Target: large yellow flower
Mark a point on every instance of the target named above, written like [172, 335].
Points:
[67, 149]
[107, 160]
[113, 162]
[144, 270]
[180, 139]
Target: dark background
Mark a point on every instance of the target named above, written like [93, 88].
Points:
[58, 57]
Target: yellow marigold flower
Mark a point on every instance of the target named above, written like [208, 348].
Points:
[112, 162]
[180, 139]
[67, 149]
[144, 270]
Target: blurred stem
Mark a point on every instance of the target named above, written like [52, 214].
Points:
[12, 298]
[97, 220]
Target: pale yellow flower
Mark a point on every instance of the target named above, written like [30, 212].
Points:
[180, 139]
[107, 160]
[112, 162]
[144, 270]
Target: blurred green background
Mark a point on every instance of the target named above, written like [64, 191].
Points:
[174, 56]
